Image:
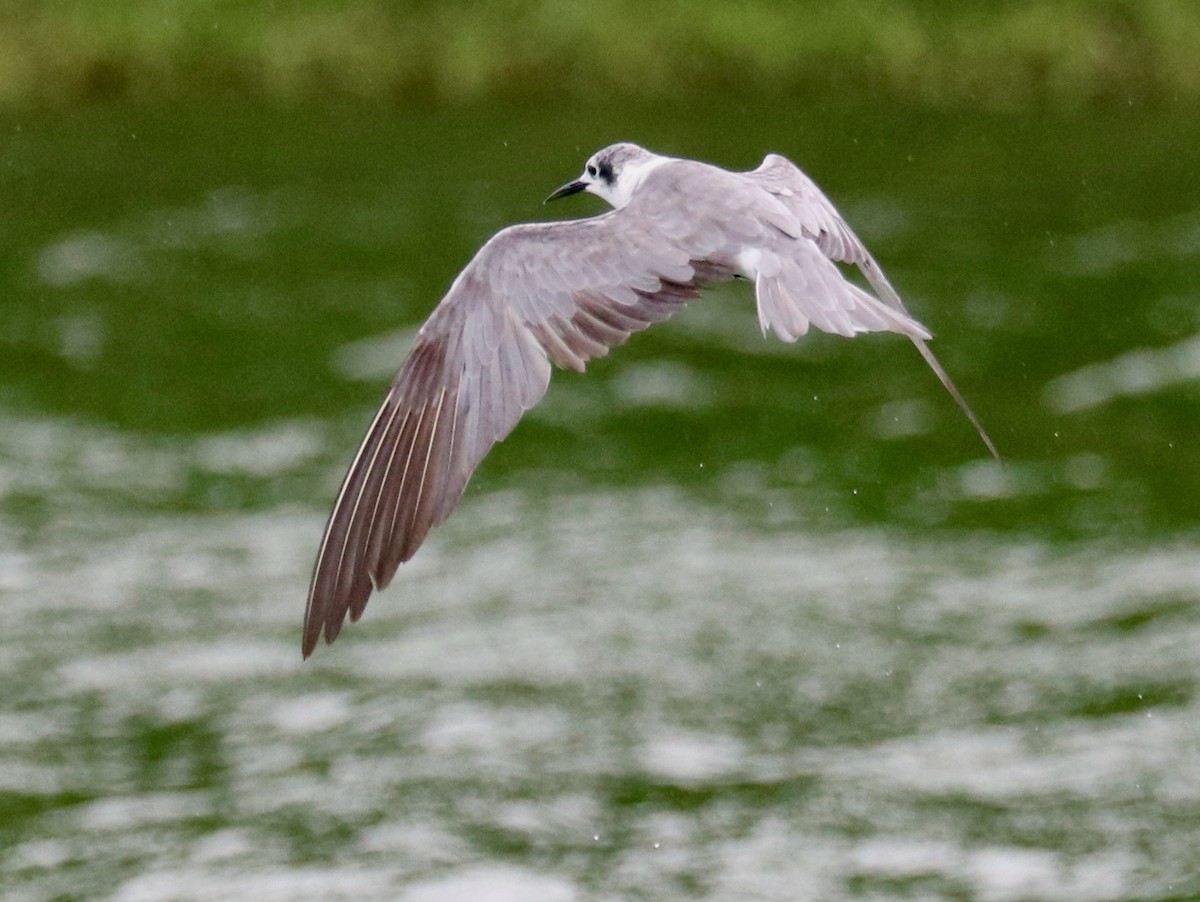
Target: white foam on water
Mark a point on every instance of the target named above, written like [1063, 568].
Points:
[279, 884]
[1138, 372]
[543, 657]
[690, 757]
[315, 713]
[217, 662]
[492, 883]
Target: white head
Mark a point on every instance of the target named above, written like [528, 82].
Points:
[613, 174]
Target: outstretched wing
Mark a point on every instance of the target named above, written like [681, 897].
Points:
[818, 218]
[566, 292]
[821, 222]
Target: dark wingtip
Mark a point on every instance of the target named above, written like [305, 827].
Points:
[957, 396]
[311, 637]
[310, 633]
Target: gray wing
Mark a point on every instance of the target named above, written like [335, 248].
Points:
[564, 292]
[796, 282]
[821, 222]
[818, 218]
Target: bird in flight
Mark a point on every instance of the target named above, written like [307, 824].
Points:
[565, 292]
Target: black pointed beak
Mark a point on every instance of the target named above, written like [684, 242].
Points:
[569, 188]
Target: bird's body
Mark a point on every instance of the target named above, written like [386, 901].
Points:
[567, 292]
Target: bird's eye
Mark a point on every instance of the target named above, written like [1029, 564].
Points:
[591, 170]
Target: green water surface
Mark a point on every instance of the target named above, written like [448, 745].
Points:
[723, 619]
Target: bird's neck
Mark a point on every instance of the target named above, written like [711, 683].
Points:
[632, 176]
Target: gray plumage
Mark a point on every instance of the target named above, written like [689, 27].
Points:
[567, 292]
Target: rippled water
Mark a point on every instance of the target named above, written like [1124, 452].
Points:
[725, 618]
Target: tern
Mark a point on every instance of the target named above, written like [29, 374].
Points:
[563, 293]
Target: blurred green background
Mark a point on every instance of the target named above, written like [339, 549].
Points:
[998, 52]
[724, 618]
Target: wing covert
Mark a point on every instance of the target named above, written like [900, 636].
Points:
[564, 292]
